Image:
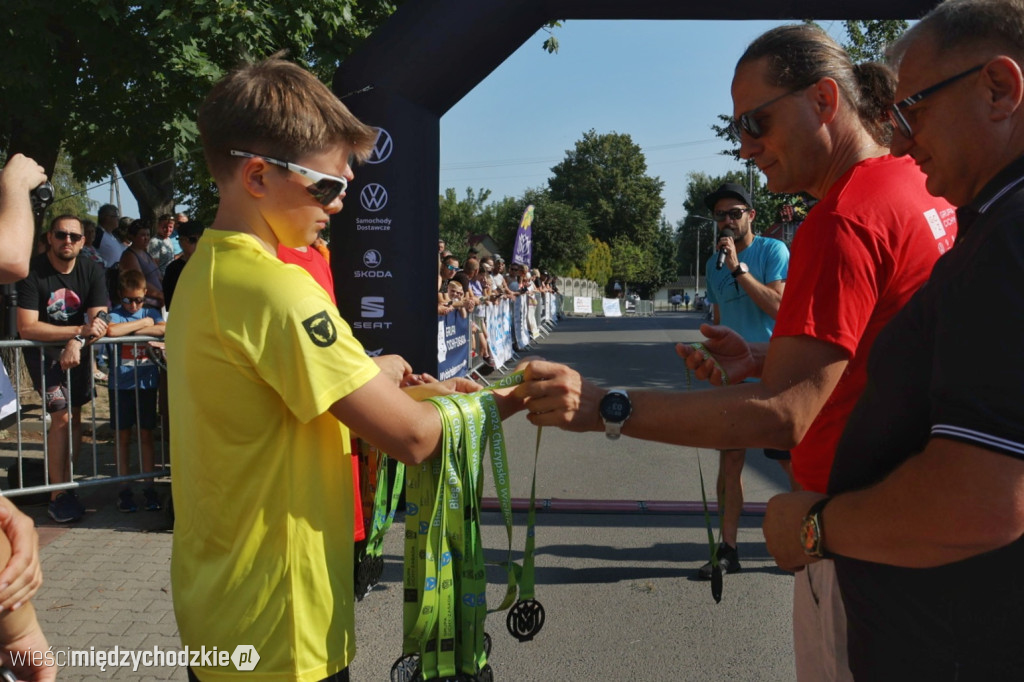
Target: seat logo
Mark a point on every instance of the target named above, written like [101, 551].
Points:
[373, 306]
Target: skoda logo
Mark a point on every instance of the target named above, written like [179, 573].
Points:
[371, 258]
[373, 197]
[381, 148]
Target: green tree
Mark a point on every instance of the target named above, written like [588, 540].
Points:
[460, 218]
[597, 264]
[605, 176]
[119, 82]
[559, 230]
[866, 41]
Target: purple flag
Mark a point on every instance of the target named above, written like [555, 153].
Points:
[523, 252]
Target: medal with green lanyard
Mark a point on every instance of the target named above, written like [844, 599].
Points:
[716, 569]
[445, 600]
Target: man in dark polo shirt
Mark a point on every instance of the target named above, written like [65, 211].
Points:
[925, 512]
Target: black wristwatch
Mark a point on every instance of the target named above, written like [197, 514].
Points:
[812, 532]
[615, 409]
[742, 269]
[80, 339]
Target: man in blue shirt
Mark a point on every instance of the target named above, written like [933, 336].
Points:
[746, 291]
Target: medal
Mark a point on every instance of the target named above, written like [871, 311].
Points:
[406, 668]
[363, 583]
[525, 619]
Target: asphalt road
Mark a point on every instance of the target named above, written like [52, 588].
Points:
[617, 586]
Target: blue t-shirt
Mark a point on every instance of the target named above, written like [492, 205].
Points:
[133, 356]
[768, 260]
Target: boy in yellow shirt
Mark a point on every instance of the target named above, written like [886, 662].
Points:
[265, 380]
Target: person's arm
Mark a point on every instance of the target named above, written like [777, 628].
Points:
[410, 431]
[31, 328]
[952, 501]
[726, 349]
[799, 376]
[131, 327]
[767, 297]
[20, 633]
[22, 574]
[17, 225]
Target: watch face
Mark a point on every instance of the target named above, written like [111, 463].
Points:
[615, 407]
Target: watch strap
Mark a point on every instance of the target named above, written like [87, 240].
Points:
[814, 518]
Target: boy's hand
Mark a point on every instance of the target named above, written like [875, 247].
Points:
[396, 369]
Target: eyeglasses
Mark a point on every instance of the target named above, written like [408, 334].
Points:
[732, 213]
[190, 240]
[61, 235]
[452, 267]
[137, 301]
[325, 188]
[899, 118]
[748, 124]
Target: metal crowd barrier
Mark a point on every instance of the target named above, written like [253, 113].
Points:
[21, 457]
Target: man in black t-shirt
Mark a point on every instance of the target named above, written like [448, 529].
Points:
[61, 300]
[925, 512]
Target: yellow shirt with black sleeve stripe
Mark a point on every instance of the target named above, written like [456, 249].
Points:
[261, 475]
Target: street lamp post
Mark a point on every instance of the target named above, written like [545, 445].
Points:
[696, 282]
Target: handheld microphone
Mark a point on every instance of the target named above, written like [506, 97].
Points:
[727, 232]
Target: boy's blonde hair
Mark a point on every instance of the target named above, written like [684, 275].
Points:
[130, 280]
[276, 108]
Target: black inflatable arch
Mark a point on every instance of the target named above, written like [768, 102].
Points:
[424, 59]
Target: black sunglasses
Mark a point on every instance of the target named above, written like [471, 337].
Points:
[746, 122]
[138, 301]
[61, 235]
[899, 119]
[325, 188]
[734, 213]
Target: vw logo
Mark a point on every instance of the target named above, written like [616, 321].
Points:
[373, 197]
[371, 258]
[381, 148]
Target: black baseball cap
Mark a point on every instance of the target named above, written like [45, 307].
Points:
[728, 190]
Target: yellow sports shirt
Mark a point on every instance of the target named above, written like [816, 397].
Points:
[262, 479]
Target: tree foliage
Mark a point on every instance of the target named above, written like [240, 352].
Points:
[605, 176]
[866, 41]
[597, 264]
[460, 218]
[119, 82]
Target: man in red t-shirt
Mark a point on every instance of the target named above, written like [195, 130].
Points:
[805, 118]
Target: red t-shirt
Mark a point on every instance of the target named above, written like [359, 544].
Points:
[312, 262]
[863, 250]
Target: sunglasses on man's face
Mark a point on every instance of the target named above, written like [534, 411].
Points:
[325, 188]
[61, 235]
[747, 122]
[452, 267]
[732, 214]
[137, 301]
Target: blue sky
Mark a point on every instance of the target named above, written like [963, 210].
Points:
[661, 82]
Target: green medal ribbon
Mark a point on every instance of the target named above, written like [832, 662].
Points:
[716, 570]
[371, 561]
[445, 585]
